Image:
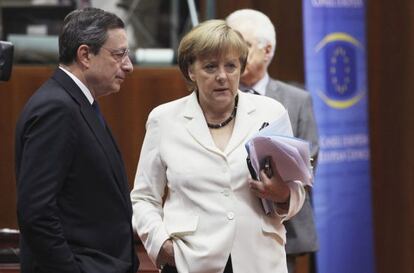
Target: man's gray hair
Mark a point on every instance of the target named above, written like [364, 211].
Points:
[87, 26]
[257, 23]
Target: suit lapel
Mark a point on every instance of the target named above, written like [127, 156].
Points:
[272, 90]
[121, 174]
[243, 124]
[102, 134]
[196, 124]
[104, 138]
[197, 127]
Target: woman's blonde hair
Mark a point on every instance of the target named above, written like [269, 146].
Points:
[210, 38]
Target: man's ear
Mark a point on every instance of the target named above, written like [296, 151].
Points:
[83, 55]
[268, 49]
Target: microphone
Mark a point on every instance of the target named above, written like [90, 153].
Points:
[6, 60]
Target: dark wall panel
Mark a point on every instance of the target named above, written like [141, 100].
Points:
[391, 86]
[287, 63]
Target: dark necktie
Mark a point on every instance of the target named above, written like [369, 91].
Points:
[250, 90]
[95, 107]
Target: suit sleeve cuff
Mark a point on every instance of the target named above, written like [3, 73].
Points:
[297, 198]
[161, 236]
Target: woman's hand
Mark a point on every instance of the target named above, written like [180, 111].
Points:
[166, 255]
[273, 188]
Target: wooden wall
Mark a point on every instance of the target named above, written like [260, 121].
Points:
[126, 113]
[391, 87]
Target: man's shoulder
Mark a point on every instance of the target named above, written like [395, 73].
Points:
[261, 101]
[288, 90]
[49, 98]
[49, 92]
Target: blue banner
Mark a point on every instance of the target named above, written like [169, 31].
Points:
[335, 57]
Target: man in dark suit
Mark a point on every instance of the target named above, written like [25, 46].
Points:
[260, 34]
[73, 204]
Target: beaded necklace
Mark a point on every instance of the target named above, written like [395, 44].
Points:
[227, 121]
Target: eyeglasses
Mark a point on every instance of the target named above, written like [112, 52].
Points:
[119, 54]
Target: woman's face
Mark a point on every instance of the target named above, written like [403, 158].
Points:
[217, 78]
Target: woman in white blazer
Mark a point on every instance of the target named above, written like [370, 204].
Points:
[196, 208]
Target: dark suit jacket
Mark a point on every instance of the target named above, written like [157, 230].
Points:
[301, 233]
[73, 204]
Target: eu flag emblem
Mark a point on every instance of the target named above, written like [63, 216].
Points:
[340, 70]
[340, 89]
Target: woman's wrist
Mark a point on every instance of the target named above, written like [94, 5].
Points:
[284, 204]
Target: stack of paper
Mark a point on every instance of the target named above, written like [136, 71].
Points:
[291, 156]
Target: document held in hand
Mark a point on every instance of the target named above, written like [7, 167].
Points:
[291, 156]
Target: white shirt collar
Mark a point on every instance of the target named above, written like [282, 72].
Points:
[260, 86]
[82, 87]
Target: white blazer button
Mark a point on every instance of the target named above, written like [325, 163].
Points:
[230, 215]
[226, 193]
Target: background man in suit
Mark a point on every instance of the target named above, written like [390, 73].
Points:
[73, 204]
[260, 34]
